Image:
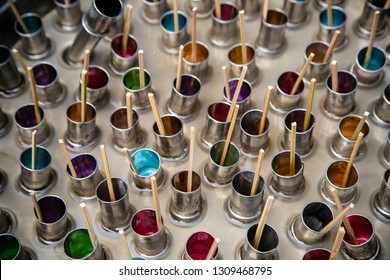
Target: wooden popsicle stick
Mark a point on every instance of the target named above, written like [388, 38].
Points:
[292, 148]
[335, 76]
[129, 110]
[360, 125]
[126, 28]
[87, 58]
[226, 81]
[124, 244]
[338, 218]
[156, 114]
[374, 26]
[217, 4]
[87, 221]
[265, 9]
[243, 38]
[69, 162]
[346, 223]
[33, 150]
[329, 12]
[257, 172]
[229, 137]
[306, 121]
[337, 243]
[265, 109]
[261, 224]
[213, 249]
[388, 180]
[193, 36]
[301, 74]
[175, 16]
[156, 202]
[36, 207]
[67, 2]
[18, 17]
[236, 94]
[130, 160]
[179, 70]
[331, 46]
[107, 172]
[351, 160]
[191, 159]
[20, 60]
[387, 5]
[141, 69]
[38, 116]
[84, 76]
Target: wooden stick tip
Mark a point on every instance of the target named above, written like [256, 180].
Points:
[242, 12]
[82, 204]
[84, 72]
[141, 51]
[313, 80]
[61, 141]
[366, 114]
[121, 232]
[194, 9]
[150, 94]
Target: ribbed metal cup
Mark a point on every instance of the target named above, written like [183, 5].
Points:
[119, 62]
[204, 7]
[198, 246]
[340, 103]
[326, 32]
[11, 80]
[316, 254]
[373, 73]
[88, 175]
[382, 107]
[216, 127]
[11, 248]
[268, 244]
[244, 95]
[114, 215]
[148, 239]
[40, 177]
[304, 139]
[55, 223]
[317, 69]
[198, 68]
[102, 14]
[131, 84]
[281, 99]
[68, 15]
[153, 10]
[80, 239]
[171, 39]
[341, 144]
[251, 8]
[236, 63]
[307, 227]
[364, 23]
[224, 31]
[271, 37]
[297, 12]
[382, 199]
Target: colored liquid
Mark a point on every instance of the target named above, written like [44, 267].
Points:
[244, 93]
[131, 47]
[219, 112]
[97, 78]
[131, 80]
[168, 22]
[78, 244]
[189, 86]
[231, 156]
[32, 23]
[338, 18]
[286, 82]
[84, 165]
[9, 247]
[43, 158]
[147, 162]
[44, 74]
[362, 229]
[346, 82]
[377, 61]
[52, 208]
[316, 216]
[228, 12]
[317, 254]
[25, 116]
[198, 245]
[144, 222]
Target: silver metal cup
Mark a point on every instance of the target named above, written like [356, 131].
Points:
[304, 139]
[26, 123]
[372, 74]
[317, 69]
[382, 198]
[185, 206]
[96, 88]
[316, 254]
[381, 108]
[271, 38]
[204, 7]
[216, 127]
[241, 205]
[364, 23]
[236, 63]
[124, 136]
[78, 246]
[5, 124]
[49, 89]
[114, 215]
[281, 99]
[184, 103]
[286, 185]
[268, 244]
[244, 95]
[307, 226]
[88, 176]
[81, 135]
[250, 140]
[172, 146]
[333, 180]
[68, 15]
[386, 151]
[224, 31]
[153, 10]
[6, 222]
[341, 145]
[323, 3]
[368, 247]
[55, 223]
[148, 164]
[35, 44]
[326, 32]
[119, 62]
[199, 67]
[131, 83]
[198, 246]
[218, 175]
[11, 80]
[102, 14]
[340, 103]
[39, 178]
[297, 12]
[251, 8]
[171, 39]
[149, 241]
[12, 249]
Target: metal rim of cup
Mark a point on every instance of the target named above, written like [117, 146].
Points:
[86, 177]
[243, 130]
[297, 93]
[70, 233]
[100, 11]
[248, 46]
[312, 121]
[258, 191]
[52, 68]
[30, 127]
[64, 215]
[7, 59]
[131, 37]
[272, 25]
[239, 93]
[338, 93]
[386, 95]
[231, 144]
[147, 74]
[198, 44]
[192, 189]
[155, 128]
[210, 116]
[124, 129]
[15, 239]
[103, 71]
[303, 221]
[323, 250]
[134, 217]
[251, 243]
[153, 3]
[371, 4]
[88, 30]
[352, 116]
[180, 13]
[155, 154]
[338, 188]
[197, 233]
[192, 77]
[30, 169]
[372, 229]
[221, 21]
[92, 120]
[306, 53]
[117, 200]
[338, 9]
[297, 174]
[64, 5]
[380, 50]
[30, 34]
